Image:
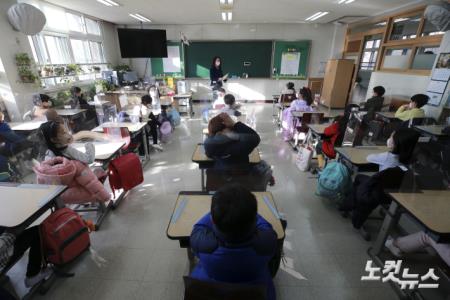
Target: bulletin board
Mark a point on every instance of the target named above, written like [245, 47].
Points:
[168, 65]
[285, 55]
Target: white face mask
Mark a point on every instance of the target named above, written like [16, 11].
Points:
[390, 143]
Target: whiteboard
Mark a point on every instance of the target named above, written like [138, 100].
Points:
[172, 63]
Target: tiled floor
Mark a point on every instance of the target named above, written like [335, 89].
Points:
[142, 263]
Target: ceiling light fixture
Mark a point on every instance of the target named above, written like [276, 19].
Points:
[400, 20]
[349, 1]
[226, 2]
[317, 15]
[140, 18]
[108, 2]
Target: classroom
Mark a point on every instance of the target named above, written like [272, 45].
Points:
[225, 149]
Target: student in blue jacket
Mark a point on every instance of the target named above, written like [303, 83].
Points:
[233, 242]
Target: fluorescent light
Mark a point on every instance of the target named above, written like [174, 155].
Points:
[108, 2]
[314, 15]
[349, 1]
[400, 20]
[222, 1]
[230, 16]
[226, 2]
[317, 15]
[224, 16]
[140, 18]
[341, 1]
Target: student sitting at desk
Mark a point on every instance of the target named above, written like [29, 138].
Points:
[231, 107]
[146, 115]
[368, 191]
[233, 242]
[41, 104]
[78, 100]
[84, 184]
[290, 89]
[12, 247]
[13, 142]
[219, 103]
[303, 103]
[417, 242]
[413, 109]
[230, 144]
[373, 104]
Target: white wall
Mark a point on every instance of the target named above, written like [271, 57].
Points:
[110, 43]
[327, 42]
[15, 95]
[408, 85]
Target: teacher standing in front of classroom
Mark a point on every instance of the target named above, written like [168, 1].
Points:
[215, 73]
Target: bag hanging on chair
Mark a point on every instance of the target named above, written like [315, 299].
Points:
[304, 156]
[125, 172]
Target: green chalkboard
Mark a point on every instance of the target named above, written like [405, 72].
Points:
[281, 47]
[158, 67]
[238, 57]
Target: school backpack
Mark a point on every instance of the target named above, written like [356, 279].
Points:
[335, 181]
[165, 131]
[174, 117]
[64, 236]
[125, 172]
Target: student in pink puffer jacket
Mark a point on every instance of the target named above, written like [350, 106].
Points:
[66, 165]
[84, 185]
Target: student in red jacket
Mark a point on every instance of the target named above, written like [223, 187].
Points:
[332, 135]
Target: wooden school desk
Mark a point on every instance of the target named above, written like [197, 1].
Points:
[191, 206]
[386, 116]
[70, 113]
[357, 156]
[104, 151]
[22, 204]
[134, 129]
[432, 131]
[299, 114]
[429, 207]
[26, 126]
[204, 162]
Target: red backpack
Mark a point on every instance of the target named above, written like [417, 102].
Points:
[64, 236]
[125, 172]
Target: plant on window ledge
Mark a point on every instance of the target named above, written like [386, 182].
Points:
[122, 68]
[96, 69]
[103, 85]
[59, 71]
[62, 97]
[27, 75]
[73, 69]
[22, 59]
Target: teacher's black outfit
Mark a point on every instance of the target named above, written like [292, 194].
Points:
[214, 75]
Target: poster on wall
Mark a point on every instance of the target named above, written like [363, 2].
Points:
[441, 71]
[290, 61]
[435, 98]
[436, 86]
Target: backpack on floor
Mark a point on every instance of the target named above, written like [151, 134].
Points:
[174, 117]
[125, 172]
[165, 131]
[335, 181]
[303, 159]
[64, 236]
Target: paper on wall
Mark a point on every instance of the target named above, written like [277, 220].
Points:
[441, 74]
[172, 63]
[437, 86]
[435, 98]
[290, 61]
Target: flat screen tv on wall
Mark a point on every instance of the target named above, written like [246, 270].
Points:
[136, 43]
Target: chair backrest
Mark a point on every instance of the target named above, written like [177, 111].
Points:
[312, 118]
[195, 289]
[352, 131]
[118, 134]
[421, 121]
[287, 98]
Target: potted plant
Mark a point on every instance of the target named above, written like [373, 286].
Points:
[96, 69]
[122, 68]
[59, 71]
[26, 75]
[72, 69]
[22, 59]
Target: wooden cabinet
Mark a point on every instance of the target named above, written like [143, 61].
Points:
[336, 85]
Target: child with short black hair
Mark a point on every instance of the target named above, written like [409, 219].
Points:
[146, 115]
[290, 89]
[233, 242]
[42, 103]
[413, 109]
[373, 104]
[231, 107]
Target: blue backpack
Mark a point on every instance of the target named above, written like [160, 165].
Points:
[335, 181]
[174, 117]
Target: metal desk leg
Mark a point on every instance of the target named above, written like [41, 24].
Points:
[203, 179]
[191, 259]
[191, 108]
[145, 141]
[390, 220]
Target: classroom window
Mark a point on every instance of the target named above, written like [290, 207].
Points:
[92, 27]
[404, 28]
[370, 54]
[96, 52]
[75, 22]
[430, 30]
[425, 57]
[80, 50]
[397, 58]
[57, 49]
